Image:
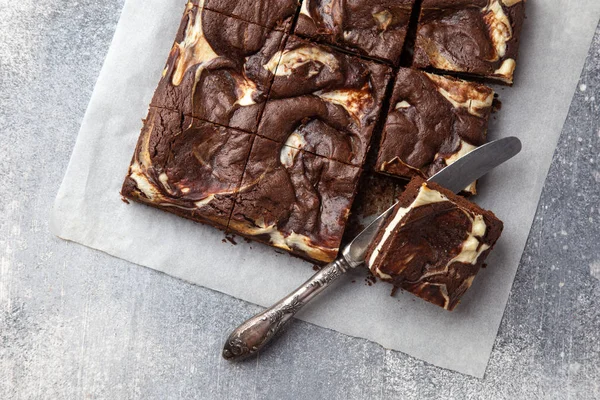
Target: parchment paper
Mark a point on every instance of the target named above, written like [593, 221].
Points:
[89, 210]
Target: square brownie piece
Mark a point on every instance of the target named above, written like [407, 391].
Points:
[324, 101]
[434, 243]
[188, 167]
[215, 70]
[294, 200]
[273, 14]
[433, 121]
[475, 37]
[373, 28]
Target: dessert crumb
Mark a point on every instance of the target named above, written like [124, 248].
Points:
[231, 239]
[496, 105]
[370, 280]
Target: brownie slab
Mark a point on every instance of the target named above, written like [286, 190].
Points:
[434, 243]
[294, 200]
[273, 14]
[324, 101]
[215, 70]
[188, 167]
[432, 121]
[371, 28]
[477, 37]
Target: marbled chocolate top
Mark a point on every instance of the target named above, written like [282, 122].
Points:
[324, 101]
[273, 14]
[294, 200]
[215, 71]
[432, 121]
[433, 244]
[189, 166]
[478, 37]
[375, 28]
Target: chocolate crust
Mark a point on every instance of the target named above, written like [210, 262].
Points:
[420, 255]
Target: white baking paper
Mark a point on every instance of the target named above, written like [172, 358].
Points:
[89, 210]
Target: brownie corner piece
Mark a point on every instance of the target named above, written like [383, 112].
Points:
[375, 29]
[324, 101]
[294, 200]
[433, 244]
[474, 37]
[187, 167]
[433, 121]
[273, 14]
[215, 70]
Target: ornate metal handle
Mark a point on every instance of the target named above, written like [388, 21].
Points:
[256, 332]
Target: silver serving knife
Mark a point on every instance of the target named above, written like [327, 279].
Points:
[256, 332]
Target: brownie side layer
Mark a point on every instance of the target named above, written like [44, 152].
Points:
[216, 69]
[434, 243]
[294, 200]
[476, 37]
[432, 121]
[371, 28]
[324, 101]
[187, 167]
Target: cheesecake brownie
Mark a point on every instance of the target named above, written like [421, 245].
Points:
[432, 121]
[324, 101]
[374, 28]
[273, 14]
[475, 37]
[216, 69]
[294, 200]
[433, 244]
[188, 167]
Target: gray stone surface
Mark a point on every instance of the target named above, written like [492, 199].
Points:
[75, 323]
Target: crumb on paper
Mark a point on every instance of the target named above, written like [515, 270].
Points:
[230, 239]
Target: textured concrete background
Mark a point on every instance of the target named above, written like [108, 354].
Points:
[75, 323]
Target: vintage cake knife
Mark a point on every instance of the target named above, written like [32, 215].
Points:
[256, 332]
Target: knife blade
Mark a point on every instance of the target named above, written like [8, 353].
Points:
[256, 332]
